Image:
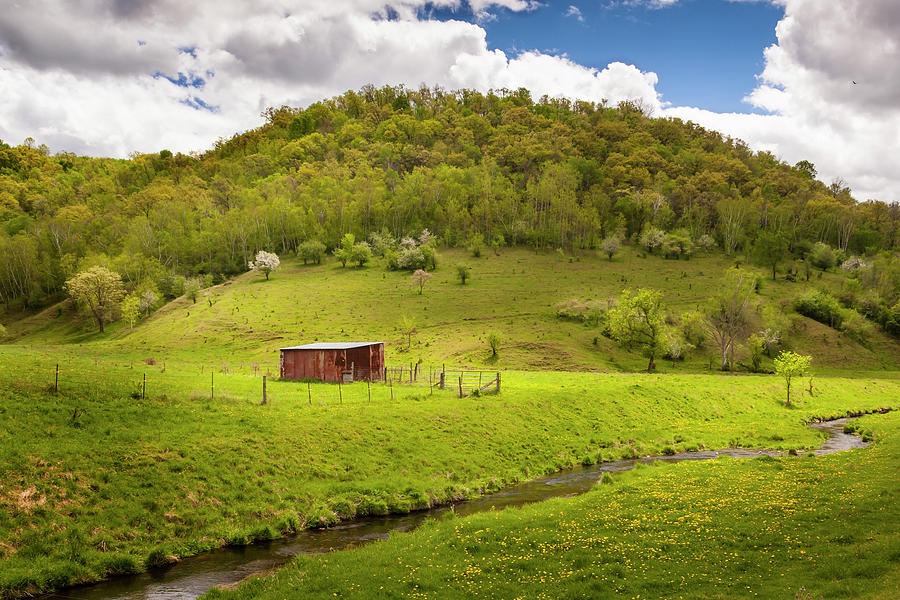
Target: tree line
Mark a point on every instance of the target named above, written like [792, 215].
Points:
[386, 163]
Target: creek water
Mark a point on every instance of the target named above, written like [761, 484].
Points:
[193, 576]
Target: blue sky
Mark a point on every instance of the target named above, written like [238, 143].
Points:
[145, 75]
[707, 53]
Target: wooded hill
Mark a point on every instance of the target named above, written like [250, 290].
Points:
[498, 169]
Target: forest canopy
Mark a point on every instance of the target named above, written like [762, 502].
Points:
[389, 162]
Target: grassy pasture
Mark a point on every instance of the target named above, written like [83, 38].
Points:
[809, 527]
[124, 482]
[513, 294]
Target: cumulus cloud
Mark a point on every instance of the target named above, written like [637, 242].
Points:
[831, 84]
[107, 77]
[112, 76]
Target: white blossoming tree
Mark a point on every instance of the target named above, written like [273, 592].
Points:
[265, 262]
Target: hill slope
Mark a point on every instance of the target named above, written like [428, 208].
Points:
[514, 294]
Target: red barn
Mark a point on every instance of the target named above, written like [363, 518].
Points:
[333, 362]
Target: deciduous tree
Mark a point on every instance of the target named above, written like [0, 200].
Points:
[637, 322]
[727, 317]
[99, 290]
[789, 365]
[265, 262]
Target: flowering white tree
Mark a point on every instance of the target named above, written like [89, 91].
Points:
[265, 262]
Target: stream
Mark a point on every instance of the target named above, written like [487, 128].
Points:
[194, 576]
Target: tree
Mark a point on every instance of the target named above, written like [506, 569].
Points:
[788, 365]
[637, 321]
[131, 309]
[99, 290]
[265, 262]
[312, 251]
[408, 328]
[148, 300]
[421, 277]
[192, 287]
[345, 253]
[727, 318]
[463, 271]
[770, 249]
[822, 256]
[611, 246]
[493, 340]
[361, 254]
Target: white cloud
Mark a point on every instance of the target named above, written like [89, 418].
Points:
[574, 11]
[80, 76]
[849, 130]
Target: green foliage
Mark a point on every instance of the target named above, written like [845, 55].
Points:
[610, 246]
[823, 256]
[637, 322]
[311, 251]
[463, 272]
[361, 254]
[756, 344]
[789, 365]
[475, 244]
[192, 287]
[770, 249]
[99, 290]
[821, 306]
[589, 312]
[130, 309]
[494, 340]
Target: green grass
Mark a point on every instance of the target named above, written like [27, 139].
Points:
[762, 528]
[513, 294]
[126, 480]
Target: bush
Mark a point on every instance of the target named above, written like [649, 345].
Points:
[463, 272]
[822, 256]
[820, 306]
[411, 258]
[589, 312]
[311, 251]
[857, 328]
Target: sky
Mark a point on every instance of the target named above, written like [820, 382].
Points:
[803, 79]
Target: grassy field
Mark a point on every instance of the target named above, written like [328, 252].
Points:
[791, 528]
[96, 481]
[513, 294]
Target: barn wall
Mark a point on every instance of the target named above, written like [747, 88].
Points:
[329, 365]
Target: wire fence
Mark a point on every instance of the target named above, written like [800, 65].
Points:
[98, 379]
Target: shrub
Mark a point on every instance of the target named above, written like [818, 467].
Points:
[821, 306]
[610, 246]
[493, 340]
[475, 243]
[411, 258]
[311, 251]
[756, 344]
[822, 256]
[463, 272]
[590, 312]
[693, 328]
[857, 328]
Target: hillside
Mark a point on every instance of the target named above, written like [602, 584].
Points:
[514, 293]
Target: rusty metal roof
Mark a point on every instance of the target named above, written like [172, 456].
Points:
[331, 346]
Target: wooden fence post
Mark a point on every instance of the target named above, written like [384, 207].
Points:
[369, 390]
[391, 384]
[56, 380]
[442, 379]
[460, 387]
[144, 388]
[340, 392]
[309, 393]
[498, 382]
[264, 389]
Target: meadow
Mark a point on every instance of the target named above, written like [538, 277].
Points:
[97, 481]
[155, 444]
[791, 527]
[513, 294]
